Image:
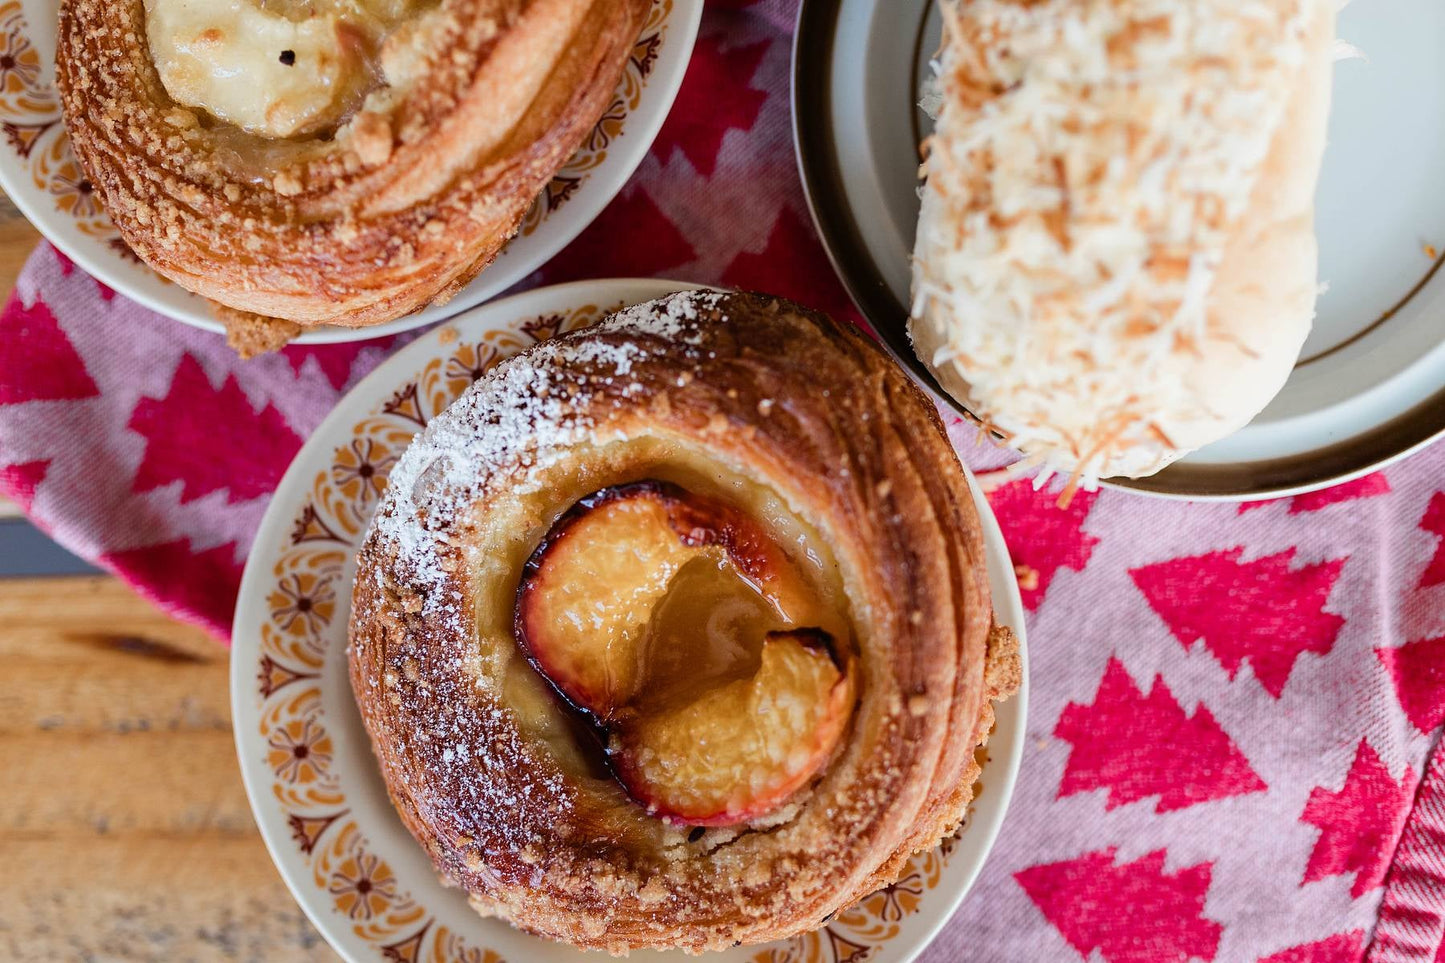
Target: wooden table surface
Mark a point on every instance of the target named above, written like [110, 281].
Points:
[124, 830]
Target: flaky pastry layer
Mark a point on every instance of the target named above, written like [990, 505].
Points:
[798, 420]
[479, 103]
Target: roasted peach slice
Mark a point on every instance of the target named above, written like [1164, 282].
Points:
[676, 626]
[590, 592]
[740, 750]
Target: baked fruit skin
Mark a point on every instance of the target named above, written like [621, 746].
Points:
[659, 528]
[738, 752]
[807, 423]
[712, 744]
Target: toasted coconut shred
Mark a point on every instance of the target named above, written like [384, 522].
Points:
[1090, 162]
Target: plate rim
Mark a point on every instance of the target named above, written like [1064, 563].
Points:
[686, 17]
[1370, 450]
[1008, 606]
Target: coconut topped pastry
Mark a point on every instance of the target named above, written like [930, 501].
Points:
[1115, 263]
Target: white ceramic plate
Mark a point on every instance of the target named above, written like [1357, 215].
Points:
[1370, 385]
[40, 174]
[322, 808]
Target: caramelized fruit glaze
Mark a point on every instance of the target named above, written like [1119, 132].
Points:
[693, 645]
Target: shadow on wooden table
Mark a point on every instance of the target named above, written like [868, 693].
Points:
[124, 830]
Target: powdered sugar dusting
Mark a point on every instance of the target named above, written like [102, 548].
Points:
[467, 743]
[521, 417]
[518, 419]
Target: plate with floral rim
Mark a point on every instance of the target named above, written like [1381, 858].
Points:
[39, 172]
[306, 760]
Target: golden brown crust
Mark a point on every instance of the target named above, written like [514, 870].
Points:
[250, 335]
[729, 385]
[407, 202]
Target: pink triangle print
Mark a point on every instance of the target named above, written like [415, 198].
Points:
[1265, 612]
[20, 482]
[595, 253]
[1434, 523]
[246, 460]
[39, 363]
[1042, 537]
[1137, 746]
[1131, 913]
[1359, 823]
[67, 267]
[792, 265]
[1418, 671]
[334, 360]
[1368, 486]
[199, 587]
[716, 97]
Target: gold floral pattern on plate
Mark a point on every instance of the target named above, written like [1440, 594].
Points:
[30, 118]
[305, 600]
[609, 126]
[28, 108]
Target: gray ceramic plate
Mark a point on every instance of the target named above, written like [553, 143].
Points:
[1370, 385]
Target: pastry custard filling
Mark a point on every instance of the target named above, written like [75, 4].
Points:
[712, 672]
[275, 68]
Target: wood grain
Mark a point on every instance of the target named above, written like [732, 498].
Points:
[124, 830]
[17, 240]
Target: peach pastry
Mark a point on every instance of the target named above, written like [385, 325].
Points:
[306, 162]
[675, 632]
